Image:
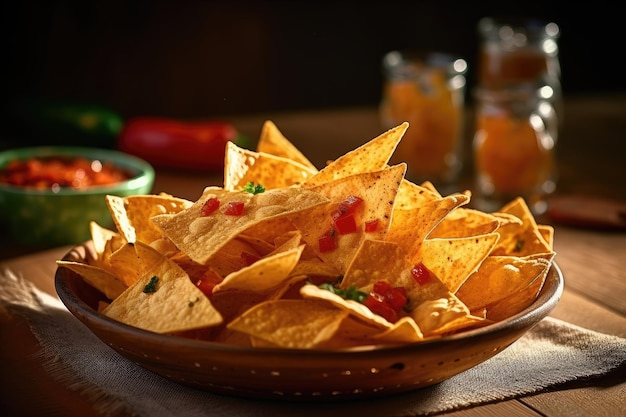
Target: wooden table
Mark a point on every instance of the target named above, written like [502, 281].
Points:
[591, 161]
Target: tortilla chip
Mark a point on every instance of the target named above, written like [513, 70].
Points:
[411, 226]
[499, 277]
[104, 281]
[378, 191]
[520, 240]
[263, 275]
[369, 157]
[272, 141]
[200, 237]
[302, 324]
[243, 166]
[132, 214]
[174, 305]
[464, 222]
[454, 260]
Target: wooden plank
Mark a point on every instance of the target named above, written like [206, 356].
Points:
[593, 264]
[583, 402]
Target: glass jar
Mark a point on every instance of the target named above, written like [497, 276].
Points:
[522, 52]
[518, 51]
[427, 90]
[514, 150]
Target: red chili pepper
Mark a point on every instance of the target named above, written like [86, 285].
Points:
[194, 145]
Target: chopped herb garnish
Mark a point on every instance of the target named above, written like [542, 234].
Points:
[519, 245]
[192, 302]
[254, 189]
[152, 285]
[351, 293]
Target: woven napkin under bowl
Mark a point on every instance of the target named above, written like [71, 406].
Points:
[550, 354]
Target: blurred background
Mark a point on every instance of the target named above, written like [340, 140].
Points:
[192, 59]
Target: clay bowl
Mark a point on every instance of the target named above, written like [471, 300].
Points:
[292, 374]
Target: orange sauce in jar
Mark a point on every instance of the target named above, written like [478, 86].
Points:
[434, 114]
[497, 67]
[513, 153]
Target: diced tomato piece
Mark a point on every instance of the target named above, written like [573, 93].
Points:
[209, 206]
[335, 214]
[345, 224]
[207, 282]
[371, 226]
[421, 274]
[234, 208]
[249, 258]
[381, 287]
[327, 243]
[348, 205]
[396, 298]
[377, 305]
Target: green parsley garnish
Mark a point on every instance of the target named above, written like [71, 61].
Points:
[254, 189]
[518, 246]
[152, 285]
[348, 294]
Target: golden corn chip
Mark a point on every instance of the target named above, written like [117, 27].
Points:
[164, 300]
[516, 302]
[520, 240]
[438, 314]
[132, 214]
[431, 187]
[369, 157]
[302, 324]
[263, 275]
[404, 330]
[99, 237]
[243, 166]
[200, 237]
[498, 277]
[125, 264]
[411, 195]
[378, 191]
[453, 260]
[272, 141]
[547, 232]
[104, 281]
[466, 222]
[374, 261]
[351, 307]
[411, 226]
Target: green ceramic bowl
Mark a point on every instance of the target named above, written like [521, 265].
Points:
[54, 218]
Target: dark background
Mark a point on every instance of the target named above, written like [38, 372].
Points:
[214, 58]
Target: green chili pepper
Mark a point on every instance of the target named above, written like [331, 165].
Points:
[44, 121]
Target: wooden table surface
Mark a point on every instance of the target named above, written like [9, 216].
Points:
[591, 155]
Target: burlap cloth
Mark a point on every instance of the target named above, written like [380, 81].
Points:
[553, 353]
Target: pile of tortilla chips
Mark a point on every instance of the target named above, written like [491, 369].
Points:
[266, 267]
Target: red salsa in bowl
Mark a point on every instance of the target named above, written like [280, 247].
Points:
[49, 195]
[54, 172]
